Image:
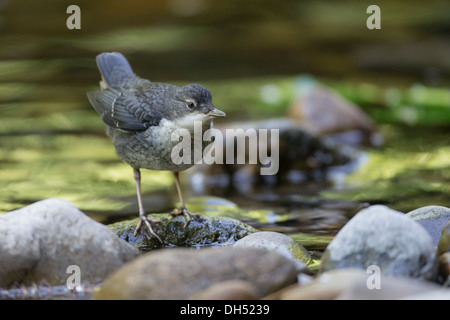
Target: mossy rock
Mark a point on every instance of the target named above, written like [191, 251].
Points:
[203, 231]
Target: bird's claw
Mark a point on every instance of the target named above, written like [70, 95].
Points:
[187, 215]
[148, 222]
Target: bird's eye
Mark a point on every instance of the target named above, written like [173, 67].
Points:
[190, 104]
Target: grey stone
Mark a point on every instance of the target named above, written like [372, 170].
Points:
[389, 288]
[386, 238]
[279, 243]
[39, 242]
[432, 218]
[438, 294]
[355, 284]
[325, 286]
[180, 273]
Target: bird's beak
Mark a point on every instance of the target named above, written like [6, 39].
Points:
[216, 113]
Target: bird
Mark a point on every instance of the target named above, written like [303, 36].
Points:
[140, 117]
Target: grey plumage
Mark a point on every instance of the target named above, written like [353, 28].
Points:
[114, 68]
[141, 115]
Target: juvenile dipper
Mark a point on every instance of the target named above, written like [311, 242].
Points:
[140, 117]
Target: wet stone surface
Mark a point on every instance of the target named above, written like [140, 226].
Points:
[204, 231]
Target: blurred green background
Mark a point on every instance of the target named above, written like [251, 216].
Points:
[53, 143]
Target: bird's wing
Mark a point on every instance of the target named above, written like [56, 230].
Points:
[127, 109]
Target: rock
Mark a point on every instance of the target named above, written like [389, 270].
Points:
[390, 288]
[444, 265]
[279, 243]
[443, 252]
[432, 218]
[204, 231]
[39, 242]
[325, 112]
[326, 286]
[386, 238]
[444, 241]
[227, 290]
[179, 273]
[354, 284]
[300, 153]
[438, 294]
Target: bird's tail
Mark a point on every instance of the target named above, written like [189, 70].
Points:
[114, 68]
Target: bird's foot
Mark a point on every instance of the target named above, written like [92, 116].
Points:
[187, 215]
[148, 222]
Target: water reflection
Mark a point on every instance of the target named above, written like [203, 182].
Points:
[52, 143]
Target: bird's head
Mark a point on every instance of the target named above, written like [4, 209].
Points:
[196, 101]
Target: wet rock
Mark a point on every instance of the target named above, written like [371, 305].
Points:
[179, 273]
[228, 290]
[301, 155]
[39, 242]
[204, 231]
[444, 241]
[279, 243]
[432, 218]
[323, 111]
[354, 284]
[386, 238]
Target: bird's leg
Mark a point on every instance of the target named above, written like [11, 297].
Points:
[142, 215]
[182, 210]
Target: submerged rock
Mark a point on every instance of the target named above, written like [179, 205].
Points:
[180, 273]
[432, 218]
[279, 243]
[298, 153]
[204, 231]
[39, 242]
[325, 112]
[385, 238]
